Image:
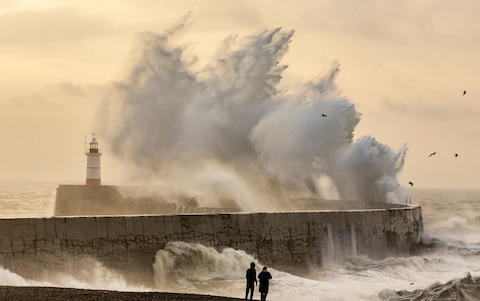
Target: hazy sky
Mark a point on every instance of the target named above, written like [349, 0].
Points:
[404, 64]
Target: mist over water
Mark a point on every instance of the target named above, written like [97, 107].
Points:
[227, 131]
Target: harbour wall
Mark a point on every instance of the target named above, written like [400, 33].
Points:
[74, 200]
[43, 248]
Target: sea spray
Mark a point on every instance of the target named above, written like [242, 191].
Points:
[192, 267]
[467, 289]
[9, 278]
[88, 273]
[228, 131]
[182, 266]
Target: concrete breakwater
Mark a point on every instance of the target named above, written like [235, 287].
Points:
[41, 248]
[75, 200]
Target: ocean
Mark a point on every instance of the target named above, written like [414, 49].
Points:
[446, 268]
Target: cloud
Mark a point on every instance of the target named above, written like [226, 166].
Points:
[431, 112]
[45, 130]
[207, 14]
[7, 3]
[56, 25]
[70, 89]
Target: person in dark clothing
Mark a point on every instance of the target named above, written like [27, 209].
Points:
[251, 281]
[264, 278]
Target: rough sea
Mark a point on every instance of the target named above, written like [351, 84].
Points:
[446, 267]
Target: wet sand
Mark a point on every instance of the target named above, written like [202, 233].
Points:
[22, 293]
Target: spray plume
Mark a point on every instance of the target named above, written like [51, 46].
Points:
[228, 133]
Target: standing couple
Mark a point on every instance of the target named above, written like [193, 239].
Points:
[264, 278]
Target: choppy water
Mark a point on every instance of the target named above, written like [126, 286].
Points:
[448, 268]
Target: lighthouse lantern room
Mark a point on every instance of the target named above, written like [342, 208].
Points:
[93, 162]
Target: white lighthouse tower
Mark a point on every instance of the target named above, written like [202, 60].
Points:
[93, 162]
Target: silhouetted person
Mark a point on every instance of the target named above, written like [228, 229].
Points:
[264, 278]
[464, 92]
[456, 155]
[251, 281]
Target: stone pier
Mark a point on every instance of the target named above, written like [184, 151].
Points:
[41, 248]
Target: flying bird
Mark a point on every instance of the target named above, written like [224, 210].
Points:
[324, 115]
[464, 92]
[411, 183]
[434, 153]
[456, 155]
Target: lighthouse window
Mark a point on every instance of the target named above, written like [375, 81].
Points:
[94, 147]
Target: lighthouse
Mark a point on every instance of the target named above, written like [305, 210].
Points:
[93, 162]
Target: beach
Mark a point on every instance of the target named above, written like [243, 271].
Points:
[22, 293]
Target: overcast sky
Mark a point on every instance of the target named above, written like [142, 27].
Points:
[404, 64]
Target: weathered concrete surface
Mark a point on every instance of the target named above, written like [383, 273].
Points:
[75, 200]
[41, 247]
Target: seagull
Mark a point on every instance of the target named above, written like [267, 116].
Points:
[456, 155]
[324, 115]
[434, 153]
[464, 92]
[411, 184]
